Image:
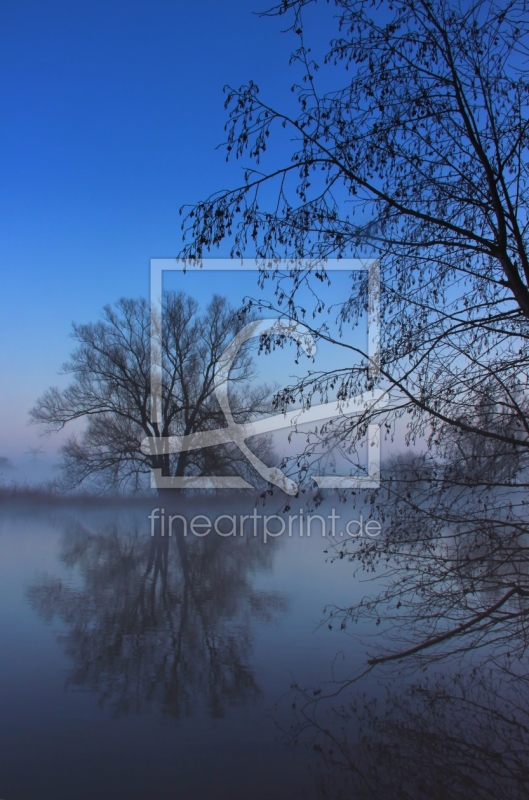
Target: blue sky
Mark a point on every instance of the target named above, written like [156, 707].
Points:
[111, 114]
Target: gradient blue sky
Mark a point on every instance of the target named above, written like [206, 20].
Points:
[111, 112]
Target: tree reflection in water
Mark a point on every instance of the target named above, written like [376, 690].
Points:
[450, 602]
[448, 737]
[159, 620]
[451, 594]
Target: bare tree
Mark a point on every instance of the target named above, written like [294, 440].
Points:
[417, 156]
[111, 389]
[409, 144]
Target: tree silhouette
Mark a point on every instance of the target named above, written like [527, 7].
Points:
[111, 389]
[417, 156]
[409, 144]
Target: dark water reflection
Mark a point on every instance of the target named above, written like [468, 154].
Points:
[444, 737]
[146, 666]
[160, 621]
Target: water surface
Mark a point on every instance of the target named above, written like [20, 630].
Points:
[139, 666]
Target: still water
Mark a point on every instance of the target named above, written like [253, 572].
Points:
[137, 666]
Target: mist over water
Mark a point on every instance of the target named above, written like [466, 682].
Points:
[204, 666]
